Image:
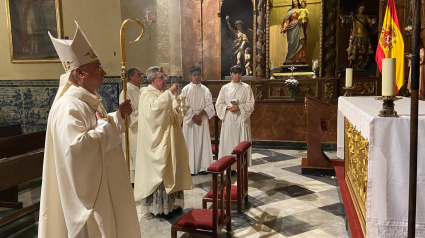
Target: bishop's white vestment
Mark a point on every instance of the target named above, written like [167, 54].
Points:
[236, 126]
[198, 138]
[162, 157]
[133, 93]
[85, 179]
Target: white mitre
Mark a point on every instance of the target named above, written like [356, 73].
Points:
[72, 54]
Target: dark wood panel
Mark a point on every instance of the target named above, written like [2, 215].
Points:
[10, 130]
[21, 168]
[21, 144]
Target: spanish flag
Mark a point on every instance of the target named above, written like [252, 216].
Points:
[391, 43]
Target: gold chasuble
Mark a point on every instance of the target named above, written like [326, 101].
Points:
[162, 155]
[85, 179]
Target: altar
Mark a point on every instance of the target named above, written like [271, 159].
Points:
[376, 154]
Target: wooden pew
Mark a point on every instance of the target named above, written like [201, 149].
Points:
[22, 160]
[318, 113]
[10, 130]
[9, 197]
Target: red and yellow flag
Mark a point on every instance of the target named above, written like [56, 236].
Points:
[391, 43]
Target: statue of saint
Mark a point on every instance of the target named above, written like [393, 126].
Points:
[242, 42]
[360, 47]
[248, 64]
[296, 26]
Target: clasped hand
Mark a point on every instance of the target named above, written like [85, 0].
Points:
[125, 108]
[233, 108]
[197, 119]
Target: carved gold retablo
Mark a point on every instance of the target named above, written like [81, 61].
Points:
[356, 150]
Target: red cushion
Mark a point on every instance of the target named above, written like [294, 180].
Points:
[198, 218]
[233, 193]
[213, 148]
[221, 164]
[242, 147]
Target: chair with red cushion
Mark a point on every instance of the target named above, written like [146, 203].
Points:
[211, 221]
[240, 191]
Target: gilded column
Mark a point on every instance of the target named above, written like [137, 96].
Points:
[330, 23]
[260, 44]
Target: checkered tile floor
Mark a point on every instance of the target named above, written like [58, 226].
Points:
[282, 203]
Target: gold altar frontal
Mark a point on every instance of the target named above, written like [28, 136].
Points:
[356, 150]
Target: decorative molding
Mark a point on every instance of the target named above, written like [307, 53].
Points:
[260, 45]
[364, 87]
[258, 91]
[329, 64]
[329, 89]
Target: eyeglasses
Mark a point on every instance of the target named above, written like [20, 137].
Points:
[139, 74]
[163, 77]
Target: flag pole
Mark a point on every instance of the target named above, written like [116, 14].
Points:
[413, 168]
[124, 80]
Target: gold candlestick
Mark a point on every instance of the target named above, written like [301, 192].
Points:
[387, 106]
[348, 91]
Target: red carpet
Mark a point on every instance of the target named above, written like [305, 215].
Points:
[350, 210]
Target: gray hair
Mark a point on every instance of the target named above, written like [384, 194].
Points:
[151, 72]
[131, 71]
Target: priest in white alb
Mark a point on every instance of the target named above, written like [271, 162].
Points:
[162, 168]
[235, 104]
[135, 80]
[196, 128]
[86, 189]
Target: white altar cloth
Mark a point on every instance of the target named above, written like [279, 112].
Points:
[388, 167]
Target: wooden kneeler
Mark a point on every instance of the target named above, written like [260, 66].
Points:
[240, 191]
[210, 221]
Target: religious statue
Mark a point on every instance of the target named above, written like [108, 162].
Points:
[296, 26]
[242, 42]
[360, 47]
[248, 64]
[421, 90]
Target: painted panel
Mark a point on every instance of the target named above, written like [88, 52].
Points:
[28, 102]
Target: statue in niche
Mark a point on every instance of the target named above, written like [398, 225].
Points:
[360, 47]
[242, 42]
[248, 65]
[296, 26]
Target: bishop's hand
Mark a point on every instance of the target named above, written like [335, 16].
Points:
[174, 88]
[99, 117]
[125, 108]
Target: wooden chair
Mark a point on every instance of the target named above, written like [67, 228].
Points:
[318, 116]
[206, 221]
[240, 191]
[215, 147]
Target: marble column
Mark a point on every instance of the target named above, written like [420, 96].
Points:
[169, 37]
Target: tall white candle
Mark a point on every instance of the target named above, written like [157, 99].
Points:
[348, 77]
[388, 77]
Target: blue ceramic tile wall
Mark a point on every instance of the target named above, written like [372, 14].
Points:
[27, 102]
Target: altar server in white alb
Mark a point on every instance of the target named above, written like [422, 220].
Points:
[86, 189]
[196, 128]
[235, 104]
[135, 80]
[162, 168]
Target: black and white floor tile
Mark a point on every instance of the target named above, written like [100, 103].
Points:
[282, 203]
